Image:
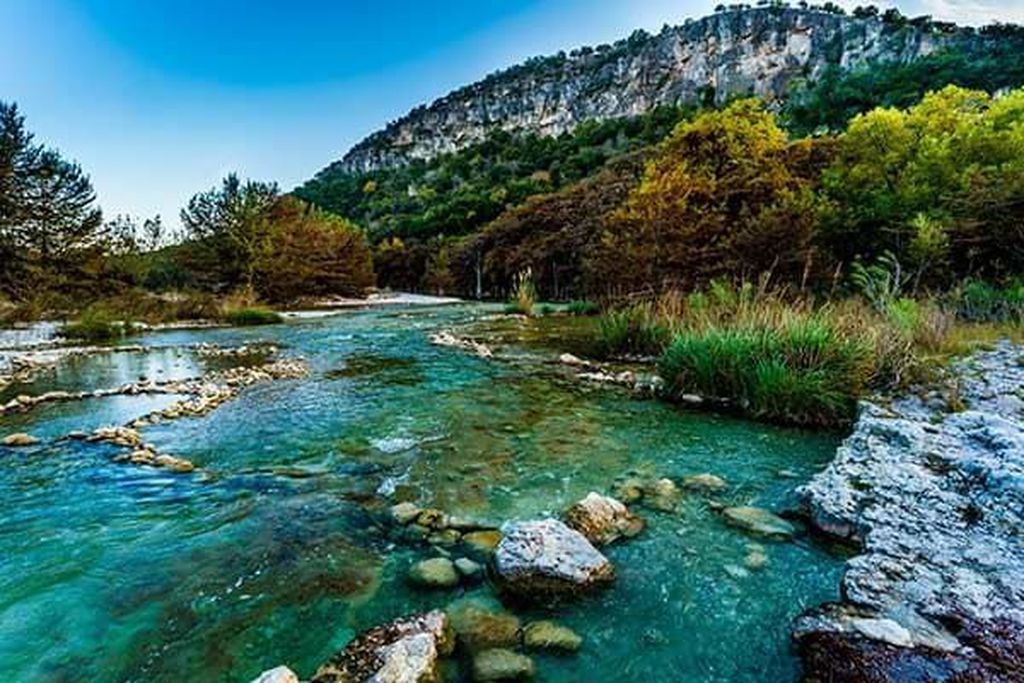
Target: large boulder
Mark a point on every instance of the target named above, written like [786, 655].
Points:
[538, 560]
[407, 650]
[603, 520]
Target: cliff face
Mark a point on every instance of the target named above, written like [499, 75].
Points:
[755, 52]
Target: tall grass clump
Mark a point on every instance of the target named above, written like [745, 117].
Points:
[784, 358]
[981, 302]
[524, 294]
[637, 330]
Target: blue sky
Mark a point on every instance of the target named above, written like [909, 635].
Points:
[160, 98]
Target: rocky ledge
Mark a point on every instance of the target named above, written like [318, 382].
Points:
[931, 487]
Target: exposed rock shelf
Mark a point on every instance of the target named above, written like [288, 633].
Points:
[936, 500]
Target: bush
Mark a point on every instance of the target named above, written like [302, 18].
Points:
[981, 302]
[96, 324]
[255, 315]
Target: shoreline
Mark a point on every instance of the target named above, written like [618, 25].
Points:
[931, 488]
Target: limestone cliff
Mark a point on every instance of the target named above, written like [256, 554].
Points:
[756, 51]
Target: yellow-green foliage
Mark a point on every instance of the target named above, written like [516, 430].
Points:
[938, 185]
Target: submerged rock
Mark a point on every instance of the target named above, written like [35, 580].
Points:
[662, 495]
[708, 483]
[479, 626]
[19, 440]
[547, 635]
[468, 568]
[502, 665]
[545, 559]
[483, 541]
[407, 650]
[603, 520]
[759, 521]
[281, 674]
[438, 572]
[405, 513]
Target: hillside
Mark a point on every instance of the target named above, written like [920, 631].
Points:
[743, 52]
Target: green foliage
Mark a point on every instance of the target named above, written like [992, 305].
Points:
[982, 302]
[727, 195]
[252, 316]
[230, 228]
[49, 223]
[938, 184]
[95, 324]
[459, 193]
[840, 95]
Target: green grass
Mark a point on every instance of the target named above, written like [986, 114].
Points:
[786, 358]
[632, 331]
[252, 316]
[805, 372]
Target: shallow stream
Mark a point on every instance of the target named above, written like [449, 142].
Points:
[274, 551]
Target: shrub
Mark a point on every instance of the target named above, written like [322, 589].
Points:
[255, 315]
[981, 302]
[96, 324]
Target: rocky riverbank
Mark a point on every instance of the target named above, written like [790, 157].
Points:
[931, 487]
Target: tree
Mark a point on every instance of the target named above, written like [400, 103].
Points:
[727, 196]
[942, 178]
[312, 254]
[230, 227]
[47, 208]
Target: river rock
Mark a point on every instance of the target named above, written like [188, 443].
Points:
[706, 482]
[480, 626]
[662, 495]
[281, 674]
[547, 635]
[544, 559]
[759, 521]
[19, 440]
[407, 650]
[468, 568]
[502, 665]
[603, 520]
[405, 513]
[483, 541]
[936, 501]
[438, 572]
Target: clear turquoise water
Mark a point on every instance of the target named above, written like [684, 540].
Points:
[275, 552]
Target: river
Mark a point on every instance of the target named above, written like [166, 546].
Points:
[273, 551]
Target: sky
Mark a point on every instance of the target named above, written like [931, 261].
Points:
[159, 99]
